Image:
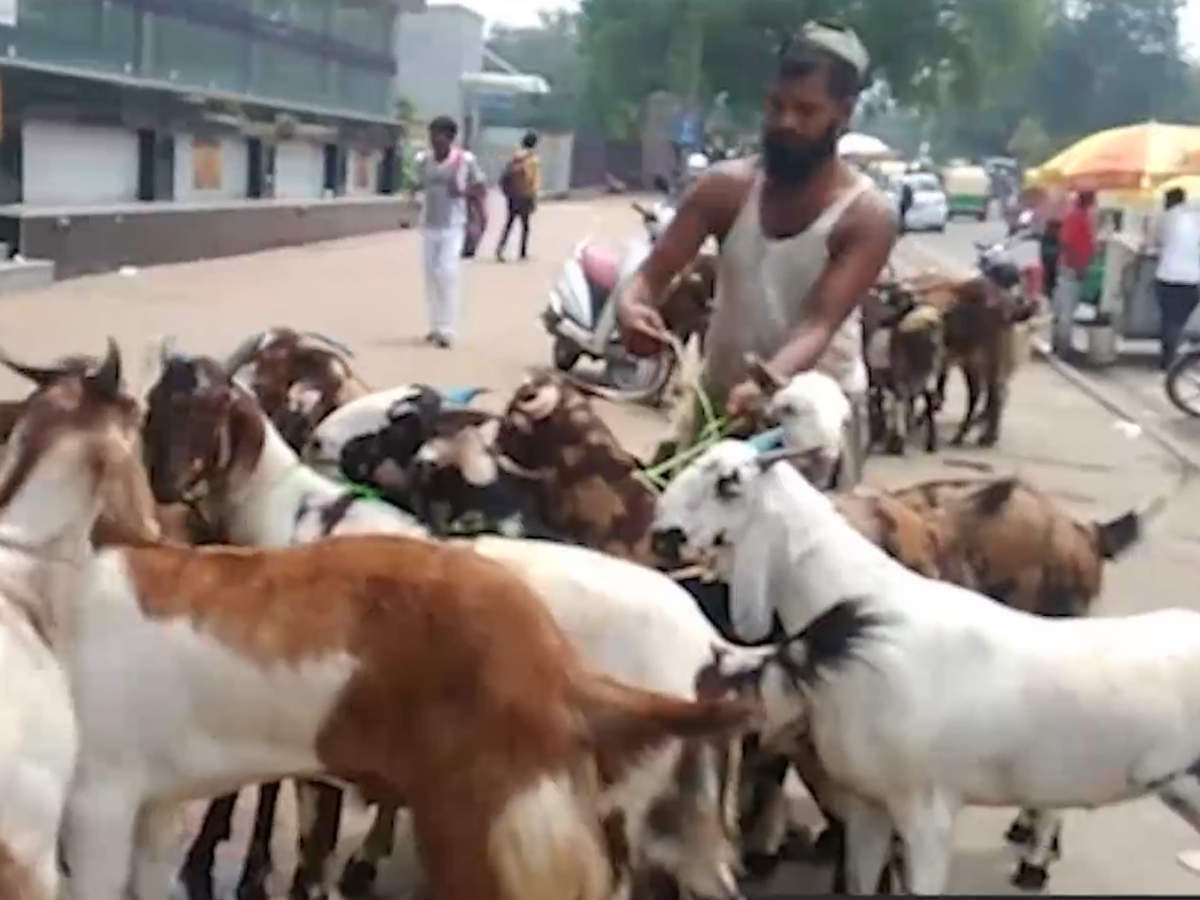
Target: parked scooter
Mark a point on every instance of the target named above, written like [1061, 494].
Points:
[581, 318]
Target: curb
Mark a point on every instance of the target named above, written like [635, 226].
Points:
[1187, 458]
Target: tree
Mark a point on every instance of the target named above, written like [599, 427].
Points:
[924, 49]
[551, 50]
[1030, 144]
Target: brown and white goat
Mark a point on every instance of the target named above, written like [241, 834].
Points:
[349, 658]
[298, 377]
[903, 344]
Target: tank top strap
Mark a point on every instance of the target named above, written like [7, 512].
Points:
[833, 212]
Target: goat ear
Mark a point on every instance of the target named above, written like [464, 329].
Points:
[489, 432]
[39, 376]
[106, 380]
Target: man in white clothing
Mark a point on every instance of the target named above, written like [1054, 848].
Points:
[1177, 281]
[447, 174]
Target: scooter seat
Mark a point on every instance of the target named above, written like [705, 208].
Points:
[601, 267]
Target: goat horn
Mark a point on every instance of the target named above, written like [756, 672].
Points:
[106, 380]
[766, 378]
[166, 348]
[39, 376]
[768, 459]
[325, 339]
[244, 353]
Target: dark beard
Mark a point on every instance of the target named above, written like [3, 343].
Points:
[792, 162]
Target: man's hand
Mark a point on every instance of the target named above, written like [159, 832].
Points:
[745, 400]
[642, 327]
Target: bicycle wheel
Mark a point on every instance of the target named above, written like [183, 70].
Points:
[1183, 382]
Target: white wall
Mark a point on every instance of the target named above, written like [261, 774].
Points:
[433, 50]
[299, 169]
[496, 145]
[234, 170]
[69, 164]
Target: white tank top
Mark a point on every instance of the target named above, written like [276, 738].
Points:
[763, 286]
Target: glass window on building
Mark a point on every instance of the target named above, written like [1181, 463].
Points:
[198, 55]
[87, 33]
[363, 25]
[366, 90]
[290, 74]
[310, 15]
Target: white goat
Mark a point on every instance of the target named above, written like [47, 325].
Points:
[814, 413]
[38, 736]
[952, 699]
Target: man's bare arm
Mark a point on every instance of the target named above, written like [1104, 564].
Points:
[859, 254]
[703, 211]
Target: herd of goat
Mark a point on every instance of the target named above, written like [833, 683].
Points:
[491, 622]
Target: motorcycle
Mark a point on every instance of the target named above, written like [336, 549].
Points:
[581, 317]
[994, 262]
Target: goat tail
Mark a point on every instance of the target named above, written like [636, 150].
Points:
[546, 843]
[1119, 534]
[622, 722]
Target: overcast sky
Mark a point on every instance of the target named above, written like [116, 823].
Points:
[524, 12]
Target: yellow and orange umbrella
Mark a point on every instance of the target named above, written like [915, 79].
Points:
[1131, 158]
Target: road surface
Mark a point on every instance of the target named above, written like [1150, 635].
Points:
[367, 292]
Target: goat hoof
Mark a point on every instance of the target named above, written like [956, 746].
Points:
[252, 890]
[1029, 877]
[828, 847]
[989, 440]
[760, 866]
[895, 445]
[197, 886]
[797, 847]
[358, 878]
[1019, 834]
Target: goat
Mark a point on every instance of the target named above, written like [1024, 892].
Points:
[298, 377]
[903, 346]
[366, 636]
[908, 760]
[1023, 549]
[979, 320]
[37, 716]
[208, 437]
[191, 408]
[590, 491]
[373, 440]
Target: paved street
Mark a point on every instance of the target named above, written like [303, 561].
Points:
[367, 292]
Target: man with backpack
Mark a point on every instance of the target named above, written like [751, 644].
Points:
[521, 183]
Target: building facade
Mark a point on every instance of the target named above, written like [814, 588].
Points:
[117, 101]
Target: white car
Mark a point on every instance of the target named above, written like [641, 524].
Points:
[930, 209]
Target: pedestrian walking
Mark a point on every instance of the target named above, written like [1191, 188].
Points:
[1177, 279]
[521, 184]
[1078, 241]
[448, 175]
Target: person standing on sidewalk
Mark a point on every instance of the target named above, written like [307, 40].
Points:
[803, 237]
[1177, 280]
[521, 184]
[447, 174]
[1078, 241]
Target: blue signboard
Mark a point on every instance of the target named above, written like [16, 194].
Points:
[689, 131]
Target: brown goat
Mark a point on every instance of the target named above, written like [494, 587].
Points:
[298, 377]
[1022, 548]
[589, 491]
[979, 319]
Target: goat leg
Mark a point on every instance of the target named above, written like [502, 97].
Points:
[319, 840]
[931, 437]
[196, 873]
[358, 878]
[972, 378]
[997, 395]
[258, 864]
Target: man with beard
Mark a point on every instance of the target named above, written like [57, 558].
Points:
[803, 238]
